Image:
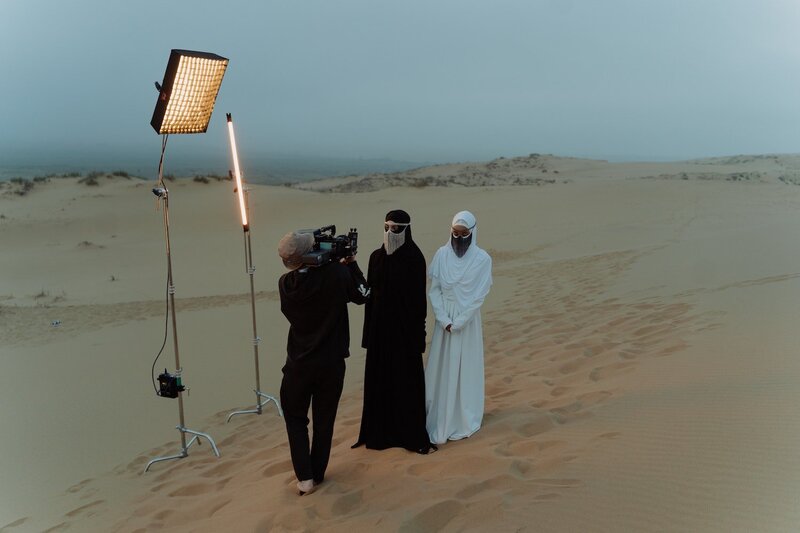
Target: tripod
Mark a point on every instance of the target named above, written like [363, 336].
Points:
[162, 194]
[262, 399]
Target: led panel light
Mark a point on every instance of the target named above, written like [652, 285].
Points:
[237, 172]
[188, 93]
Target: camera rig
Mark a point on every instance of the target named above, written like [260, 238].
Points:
[330, 247]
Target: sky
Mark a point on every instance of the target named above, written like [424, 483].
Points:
[415, 80]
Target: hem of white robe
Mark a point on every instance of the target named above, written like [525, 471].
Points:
[457, 436]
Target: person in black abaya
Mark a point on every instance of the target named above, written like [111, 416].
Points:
[394, 337]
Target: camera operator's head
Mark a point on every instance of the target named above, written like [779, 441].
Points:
[293, 246]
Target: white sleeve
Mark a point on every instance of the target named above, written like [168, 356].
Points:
[465, 315]
[437, 302]
[469, 311]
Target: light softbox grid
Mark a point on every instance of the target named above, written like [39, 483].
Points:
[188, 93]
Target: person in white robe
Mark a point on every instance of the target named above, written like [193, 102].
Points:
[461, 275]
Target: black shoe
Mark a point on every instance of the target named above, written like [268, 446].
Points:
[429, 449]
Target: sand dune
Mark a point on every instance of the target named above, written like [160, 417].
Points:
[640, 368]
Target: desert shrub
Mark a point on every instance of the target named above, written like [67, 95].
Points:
[24, 186]
[121, 174]
[201, 179]
[89, 244]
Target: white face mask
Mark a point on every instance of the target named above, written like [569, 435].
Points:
[392, 241]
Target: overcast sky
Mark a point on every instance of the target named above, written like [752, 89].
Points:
[420, 80]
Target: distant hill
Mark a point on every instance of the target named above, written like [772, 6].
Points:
[547, 169]
[267, 170]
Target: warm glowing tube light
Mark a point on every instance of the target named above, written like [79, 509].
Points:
[187, 95]
[237, 172]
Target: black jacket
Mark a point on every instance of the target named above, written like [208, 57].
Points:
[314, 300]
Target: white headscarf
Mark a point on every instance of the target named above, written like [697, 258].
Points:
[470, 276]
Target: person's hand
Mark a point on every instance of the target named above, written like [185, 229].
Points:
[447, 329]
[348, 260]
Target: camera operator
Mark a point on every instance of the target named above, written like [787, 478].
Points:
[314, 300]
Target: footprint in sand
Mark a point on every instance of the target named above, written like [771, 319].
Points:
[535, 428]
[561, 483]
[88, 509]
[212, 509]
[163, 515]
[79, 486]
[58, 527]
[603, 372]
[572, 366]
[503, 394]
[497, 482]
[277, 468]
[217, 470]
[195, 489]
[521, 469]
[344, 505]
[15, 523]
[433, 518]
[593, 398]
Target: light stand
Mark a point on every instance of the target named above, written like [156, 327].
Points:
[185, 102]
[261, 398]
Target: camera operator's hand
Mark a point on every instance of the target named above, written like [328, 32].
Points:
[348, 260]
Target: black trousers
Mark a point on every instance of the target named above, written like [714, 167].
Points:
[315, 384]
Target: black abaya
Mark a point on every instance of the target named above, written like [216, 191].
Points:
[394, 337]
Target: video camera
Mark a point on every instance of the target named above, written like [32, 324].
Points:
[328, 247]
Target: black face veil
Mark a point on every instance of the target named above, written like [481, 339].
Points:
[460, 244]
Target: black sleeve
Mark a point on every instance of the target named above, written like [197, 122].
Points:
[368, 307]
[356, 286]
[418, 302]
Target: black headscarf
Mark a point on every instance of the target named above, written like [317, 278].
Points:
[401, 217]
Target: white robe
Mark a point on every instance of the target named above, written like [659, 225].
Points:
[454, 388]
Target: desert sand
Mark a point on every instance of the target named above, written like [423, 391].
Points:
[640, 338]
